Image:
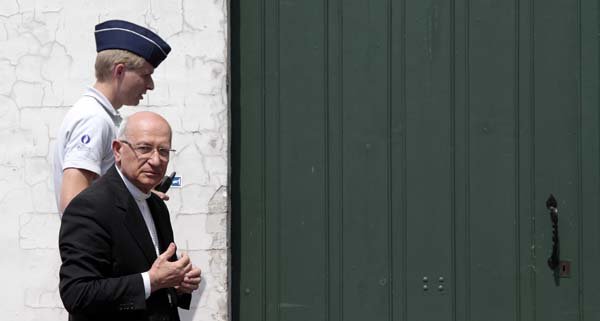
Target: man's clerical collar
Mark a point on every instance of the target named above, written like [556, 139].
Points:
[137, 194]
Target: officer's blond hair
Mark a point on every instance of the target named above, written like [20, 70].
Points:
[107, 59]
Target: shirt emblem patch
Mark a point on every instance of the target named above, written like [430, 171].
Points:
[85, 139]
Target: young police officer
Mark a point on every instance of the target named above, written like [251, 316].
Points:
[127, 56]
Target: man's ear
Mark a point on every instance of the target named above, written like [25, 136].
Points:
[116, 148]
[119, 71]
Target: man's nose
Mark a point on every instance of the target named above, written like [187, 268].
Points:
[154, 159]
[150, 84]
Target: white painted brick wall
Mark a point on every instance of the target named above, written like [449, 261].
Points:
[47, 52]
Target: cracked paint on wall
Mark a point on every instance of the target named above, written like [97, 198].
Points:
[47, 52]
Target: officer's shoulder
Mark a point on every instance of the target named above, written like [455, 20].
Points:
[86, 108]
[92, 202]
[100, 193]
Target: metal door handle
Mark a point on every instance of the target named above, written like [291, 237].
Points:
[552, 205]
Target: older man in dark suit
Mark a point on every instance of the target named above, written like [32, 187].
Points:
[119, 261]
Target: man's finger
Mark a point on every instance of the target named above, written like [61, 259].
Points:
[195, 272]
[161, 195]
[187, 269]
[188, 280]
[184, 260]
[189, 286]
[170, 251]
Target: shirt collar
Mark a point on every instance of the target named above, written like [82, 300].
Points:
[137, 194]
[102, 100]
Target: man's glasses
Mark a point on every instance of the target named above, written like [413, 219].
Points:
[145, 152]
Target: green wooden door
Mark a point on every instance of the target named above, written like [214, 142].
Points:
[392, 159]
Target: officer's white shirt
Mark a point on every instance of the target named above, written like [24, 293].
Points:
[85, 136]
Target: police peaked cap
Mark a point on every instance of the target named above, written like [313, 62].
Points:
[119, 34]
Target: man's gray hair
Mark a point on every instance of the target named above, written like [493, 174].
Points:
[122, 133]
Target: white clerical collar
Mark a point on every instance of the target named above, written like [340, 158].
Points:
[137, 194]
[102, 100]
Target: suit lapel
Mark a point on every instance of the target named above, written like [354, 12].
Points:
[137, 227]
[161, 222]
[134, 222]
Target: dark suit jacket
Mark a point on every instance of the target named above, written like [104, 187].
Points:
[104, 246]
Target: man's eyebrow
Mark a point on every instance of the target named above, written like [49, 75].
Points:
[141, 142]
[150, 144]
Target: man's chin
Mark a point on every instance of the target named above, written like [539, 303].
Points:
[151, 179]
[146, 188]
[135, 102]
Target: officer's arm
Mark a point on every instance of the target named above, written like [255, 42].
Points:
[74, 181]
